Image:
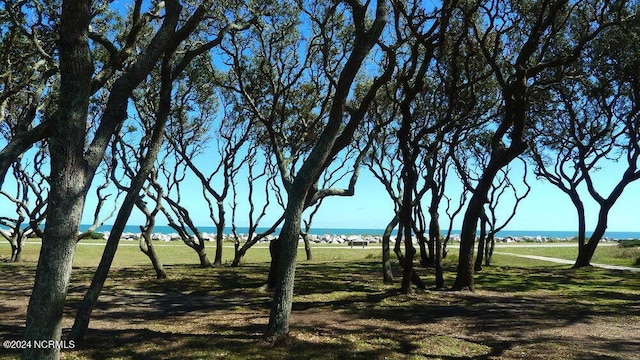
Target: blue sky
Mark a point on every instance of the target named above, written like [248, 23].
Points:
[546, 207]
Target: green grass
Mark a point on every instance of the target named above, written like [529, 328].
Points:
[522, 309]
[88, 253]
[606, 253]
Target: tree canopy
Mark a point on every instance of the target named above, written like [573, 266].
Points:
[296, 98]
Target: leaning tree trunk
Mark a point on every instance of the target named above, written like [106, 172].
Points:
[586, 251]
[147, 248]
[202, 254]
[464, 276]
[217, 261]
[17, 244]
[90, 299]
[475, 209]
[500, 157]
[19, 247]
[197, 244]
[14, 251]
[387, 271]
[491, 237]
[241, 251]
[318, 160]
[434, 237]
[273, 265]
[482, 243]
[307, 245]
[285, 266]
[145, 242]
[69, 179]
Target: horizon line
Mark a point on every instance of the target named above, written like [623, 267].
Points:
[379, 229]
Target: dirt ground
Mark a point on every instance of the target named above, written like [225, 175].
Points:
[192, 318]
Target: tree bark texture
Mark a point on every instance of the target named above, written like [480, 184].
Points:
[307, 246]
[147, 248]
[69, 182]
[285, 266]
[434, 237]
[90, 299]
[482, 243]
[273, 265]
[334, 137]
[387, 270]
[475, 209]
[219, 238]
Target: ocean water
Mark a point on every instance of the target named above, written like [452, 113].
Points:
[621, 235]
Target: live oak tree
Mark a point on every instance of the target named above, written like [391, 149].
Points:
[526, 44]
[135, 151]
[185, 143]
[188, 135]
[29, 199]
[266, 180]
[414, 123]
[619, 97]
[28, 76]
[593, 119]
[385, 162]
[75, 151]
[146, 231]
[382, 161]
[436, 92]
[172, 68]
[281, 95]
[334, 134]
[471, 158]
[286, 91]
[503, 188]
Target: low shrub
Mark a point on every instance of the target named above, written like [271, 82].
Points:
[629, 243]
[96, 236]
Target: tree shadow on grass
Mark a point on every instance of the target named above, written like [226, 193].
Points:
[199, 290]
[512, 279]
[239, 342]
[492, 324]
[343, 311]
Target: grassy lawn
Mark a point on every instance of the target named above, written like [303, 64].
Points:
[174, 253]
[522, 309]
[606, 253]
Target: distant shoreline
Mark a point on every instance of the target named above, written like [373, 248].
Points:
[528, 234]
[516, 234]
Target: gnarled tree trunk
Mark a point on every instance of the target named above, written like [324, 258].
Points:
[387, 271]
[70, 180]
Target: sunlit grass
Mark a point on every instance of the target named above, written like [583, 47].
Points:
[606, 253]
[341, 309]
[88, 253]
